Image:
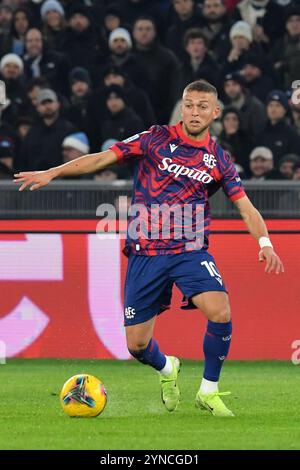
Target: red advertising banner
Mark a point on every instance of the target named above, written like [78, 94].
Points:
[61, 292]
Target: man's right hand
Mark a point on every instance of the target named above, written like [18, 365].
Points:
[34, 179]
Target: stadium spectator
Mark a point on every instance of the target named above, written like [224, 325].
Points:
[258, 81]
[295, 110]
[80, 85]
[261, 163]
[198, 63]
[54, 23]
[74, 146]
[6, 18]
[23, 126]
[97, 110]
[252, 111]
[11, 70]
[285, 53]
[121, 55]
[187, 15]
[265, 18]
[122, 121]
[22, 22]
[277, 134]
[234, 136]
[215, 25]
[43, 143]
[112, 18]
[287, 165]
[158, 62]
[133, 9]
[40, 61]
[114, 172]
[82, 43]
[242, 45]
[9, 147]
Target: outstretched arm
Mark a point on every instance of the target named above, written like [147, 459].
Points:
[87, 164]
[259, 231]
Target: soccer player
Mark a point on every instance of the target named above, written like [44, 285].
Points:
[176, 166]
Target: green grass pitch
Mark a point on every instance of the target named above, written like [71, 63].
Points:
[265, 399]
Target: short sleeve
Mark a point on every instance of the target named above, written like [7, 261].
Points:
[231, 182]
[134, 146]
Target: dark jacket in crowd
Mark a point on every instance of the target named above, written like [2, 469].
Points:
[42, 147]
[207, 70]
[121, 125]
[176, 32]
[241, 146]
[281, 138]
[54, 66]
[286, 53]
[162, 69]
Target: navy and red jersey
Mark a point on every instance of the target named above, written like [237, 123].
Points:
[173, 170]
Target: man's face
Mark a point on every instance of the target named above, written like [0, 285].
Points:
[115, 104]
[183, 7]
[240, 42]
[79, 22]
[293, 25]
[21, 22]
[11, 71]
[48, 109]
[196, 48]
[53, 18]
[275, 111]
[213, 9]
[79, 88]
[144, 32]
[199, 109]
[6, 17]
[250, 72]
[119, 46]
[287, 169]
[260, 166]
[231, 123]
[112, 22]
[114, 79]
[232, 89]
[34, 42]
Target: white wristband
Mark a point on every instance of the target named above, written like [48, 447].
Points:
[265, 241]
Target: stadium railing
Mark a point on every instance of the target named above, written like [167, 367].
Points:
[80, 199]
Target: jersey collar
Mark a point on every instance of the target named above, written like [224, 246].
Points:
[188, 140]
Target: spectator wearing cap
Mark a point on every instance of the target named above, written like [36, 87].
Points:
[83, 45]
[54, 23]
[261, 163]
[258, 82]
[187, 15]
[285, 54]
[198, 63]
[11, 70]
[121, 55]
[136, 99]
[159, 62]
[80, 85]
[215, 25]
[233, 135]
[265, 18]
[40, 61]
[242, 45]
[42, 147]
[122, 121]
[252, 111]
[277, 134]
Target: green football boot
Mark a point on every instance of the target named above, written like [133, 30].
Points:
[213, 403]
[170, 393]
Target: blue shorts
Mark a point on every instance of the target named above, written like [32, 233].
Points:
[150, 279]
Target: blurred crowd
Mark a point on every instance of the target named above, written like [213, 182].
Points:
[82, 74]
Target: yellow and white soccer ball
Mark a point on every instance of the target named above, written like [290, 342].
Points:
[83, 395]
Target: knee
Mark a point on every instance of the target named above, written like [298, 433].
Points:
[222, 315]
[135, 347]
